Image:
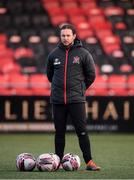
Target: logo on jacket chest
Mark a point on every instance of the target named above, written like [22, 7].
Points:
[76, 60]
[56, 61]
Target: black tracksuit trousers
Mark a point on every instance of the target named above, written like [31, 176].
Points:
[78, 116]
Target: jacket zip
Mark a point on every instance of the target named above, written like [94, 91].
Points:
[65, 77]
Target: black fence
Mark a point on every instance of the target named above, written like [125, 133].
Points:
[24, 113]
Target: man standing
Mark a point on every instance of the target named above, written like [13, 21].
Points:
[71, 70]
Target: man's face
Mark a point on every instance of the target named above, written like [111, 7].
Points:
[67, 37]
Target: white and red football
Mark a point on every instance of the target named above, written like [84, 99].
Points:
[48, 162]
[25, 162]
[71, 162]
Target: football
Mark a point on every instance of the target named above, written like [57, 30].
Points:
[25, 162]
[48, 162]
[71, 162]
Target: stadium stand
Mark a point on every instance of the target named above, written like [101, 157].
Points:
[28, 32]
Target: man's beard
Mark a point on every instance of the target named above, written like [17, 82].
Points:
[69, 45]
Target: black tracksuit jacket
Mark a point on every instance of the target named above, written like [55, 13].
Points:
[71, 71]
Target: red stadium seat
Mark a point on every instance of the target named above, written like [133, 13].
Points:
[52, 4]
[76, 20]
[23, 52]
[99, 22]
[117, 85]
[4, 85]
[19, 84]
[113, 11]
[85, 33]
[69, 4]
[110, 43]
[87, 5]
[56, 11]
[75, 11]
[126, 68]
[9, 66]
[130, 85]
[106, 40]
[3, 38]
[99, 87]
[57, 20]
[39, 84]
[103, 33]
[94, 12]
[120, 26]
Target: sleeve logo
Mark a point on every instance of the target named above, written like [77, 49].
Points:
[56, 61]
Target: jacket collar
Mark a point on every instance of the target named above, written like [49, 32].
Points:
[77, 43]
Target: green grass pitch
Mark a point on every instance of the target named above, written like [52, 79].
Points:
[113, 152]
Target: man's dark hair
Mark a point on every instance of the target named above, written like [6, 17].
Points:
[68, 26]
